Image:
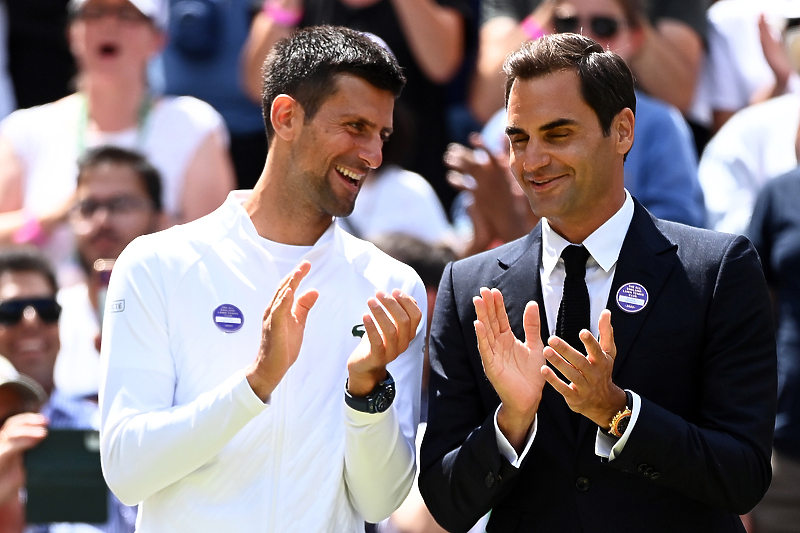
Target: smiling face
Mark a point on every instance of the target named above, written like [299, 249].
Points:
[333, 151]
[571, 173]
[31, 344]
[112, 37]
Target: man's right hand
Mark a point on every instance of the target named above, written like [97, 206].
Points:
[514, 368]
[281, 333]
[18, 433]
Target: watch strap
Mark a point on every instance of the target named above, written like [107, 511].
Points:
[378, 400]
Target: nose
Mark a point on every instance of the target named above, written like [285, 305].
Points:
[534, 157]
[30, 316]
[372, 151]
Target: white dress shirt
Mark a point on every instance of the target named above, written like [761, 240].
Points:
[604, 246]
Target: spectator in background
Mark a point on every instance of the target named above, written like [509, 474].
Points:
[29, 333]
[775, 232]
[184, 138]
[117, 198]
[759, 142]
[428, 37]
[202, 59]
[745, 63]
[666, 64]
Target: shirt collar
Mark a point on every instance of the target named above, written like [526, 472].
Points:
[604, 244]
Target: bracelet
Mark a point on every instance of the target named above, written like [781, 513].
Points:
[532, 28]
[282, 16]
[30, 231]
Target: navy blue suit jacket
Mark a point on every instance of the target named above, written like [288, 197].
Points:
[701, 354]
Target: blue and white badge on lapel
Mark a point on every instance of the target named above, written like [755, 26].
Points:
[228, 318]
[632, 297]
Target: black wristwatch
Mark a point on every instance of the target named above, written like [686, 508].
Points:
[378, 400]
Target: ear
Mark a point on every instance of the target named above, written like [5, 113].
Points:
[286, 115]
[623, 127]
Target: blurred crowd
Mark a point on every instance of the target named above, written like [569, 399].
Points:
[124, 117]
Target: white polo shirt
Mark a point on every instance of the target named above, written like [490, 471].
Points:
[183, 433]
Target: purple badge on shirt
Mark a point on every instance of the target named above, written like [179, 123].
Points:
[632, 297]
[228, 318]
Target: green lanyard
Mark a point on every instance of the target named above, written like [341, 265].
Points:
[142, 122]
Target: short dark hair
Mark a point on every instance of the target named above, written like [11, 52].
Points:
[306, 64]
[606, 81]
[27, 259]
[151, 178]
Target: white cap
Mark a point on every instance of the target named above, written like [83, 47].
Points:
[31, 392]
[155, 10]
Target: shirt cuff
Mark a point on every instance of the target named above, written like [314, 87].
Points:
[607, 446]
[505, 447]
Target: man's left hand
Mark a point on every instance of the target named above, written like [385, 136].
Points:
[591, 393]
[391, 325]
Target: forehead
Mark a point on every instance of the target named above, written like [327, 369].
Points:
[534, 103]
[23, 284]
[357, 97]
[110, 179]
[594, 7]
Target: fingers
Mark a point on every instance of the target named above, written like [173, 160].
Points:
[566, 359]
[531, 323]
[284, 295]
[607, 343]
[393, 323]
[303, 305]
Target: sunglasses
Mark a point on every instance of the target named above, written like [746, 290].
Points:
[605, 27]
[117, 206]
[12, 311]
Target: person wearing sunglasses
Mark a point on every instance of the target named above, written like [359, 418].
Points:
[29, 339]
[667, 64]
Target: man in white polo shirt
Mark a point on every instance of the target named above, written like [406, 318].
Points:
[219, 415]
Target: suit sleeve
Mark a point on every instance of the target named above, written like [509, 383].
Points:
[462, 473]
[721, 454]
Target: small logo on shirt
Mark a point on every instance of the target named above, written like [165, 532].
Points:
[359, 330]
[117, 306]
[632, 297]
[228, 318]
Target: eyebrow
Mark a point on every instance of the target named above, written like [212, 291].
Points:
[513, 130]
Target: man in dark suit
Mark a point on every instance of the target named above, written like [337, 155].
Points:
[666, 423]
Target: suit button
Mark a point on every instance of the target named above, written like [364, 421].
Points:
[648, 472]
[655, 475]
[642, 468]
[489, 480]
[582, 484]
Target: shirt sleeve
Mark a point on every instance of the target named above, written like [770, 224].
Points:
[147, 443]
[609, 447]
[505, 447]
[380, 451]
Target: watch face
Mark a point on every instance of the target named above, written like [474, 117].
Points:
[382, 403]
[623, 424]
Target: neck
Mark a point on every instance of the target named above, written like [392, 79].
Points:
[113, 105]
[278, 212]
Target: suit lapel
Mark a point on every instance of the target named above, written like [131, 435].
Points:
[643, 261]
[520, 282]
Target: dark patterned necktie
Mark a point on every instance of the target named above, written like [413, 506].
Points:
[574, 311]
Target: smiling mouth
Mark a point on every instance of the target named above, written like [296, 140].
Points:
[351, 176]
[544, 182]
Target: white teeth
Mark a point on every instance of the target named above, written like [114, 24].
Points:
[349, 173]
